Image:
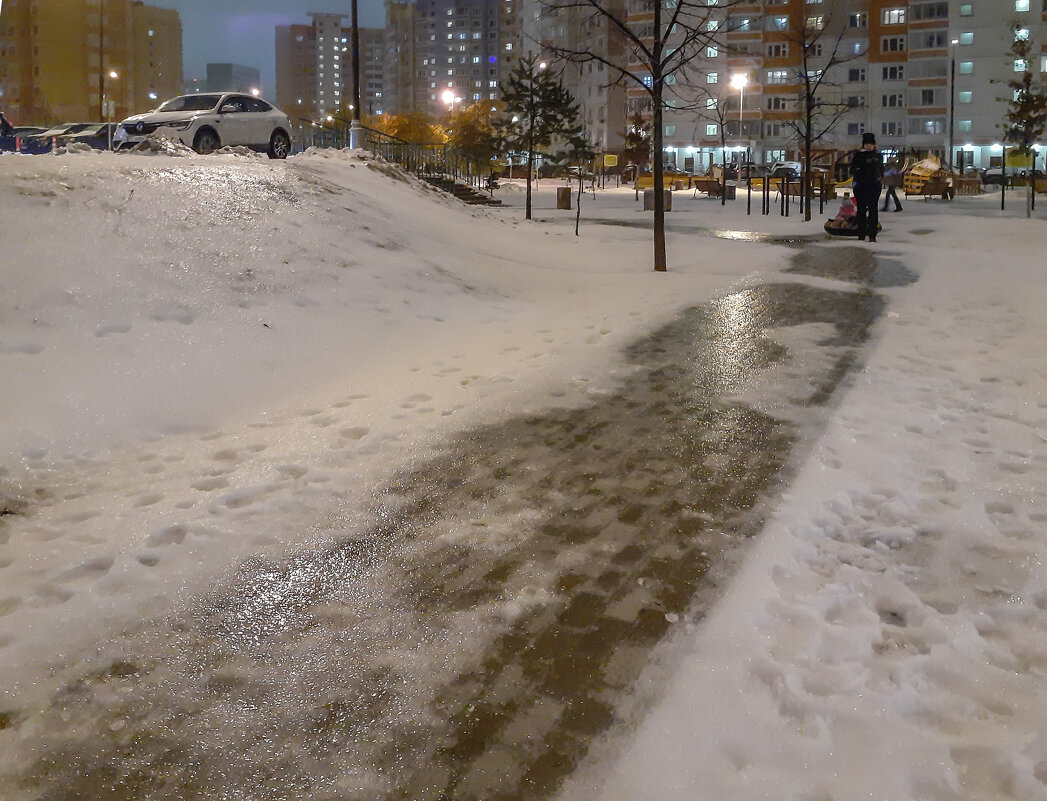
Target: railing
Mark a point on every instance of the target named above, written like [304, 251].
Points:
[420, 158]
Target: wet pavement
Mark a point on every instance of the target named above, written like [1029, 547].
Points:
[472, 635]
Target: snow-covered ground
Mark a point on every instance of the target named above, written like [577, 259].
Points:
[209, 358]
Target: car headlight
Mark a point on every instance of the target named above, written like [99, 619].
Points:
[180, 126]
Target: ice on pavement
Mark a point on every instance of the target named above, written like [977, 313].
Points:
[228, 360]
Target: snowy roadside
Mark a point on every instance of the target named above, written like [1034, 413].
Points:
[887, 637]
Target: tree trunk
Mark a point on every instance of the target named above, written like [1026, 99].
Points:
[657, 83]
[530, 167]
[659, 184]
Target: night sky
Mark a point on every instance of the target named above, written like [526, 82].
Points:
[242, 31]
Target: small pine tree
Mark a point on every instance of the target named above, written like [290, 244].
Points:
[538, 109]
[636, 144]
[1027, 113]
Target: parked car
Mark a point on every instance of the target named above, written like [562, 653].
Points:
[786, 169]
[18, 133]
[96, 135]
[206, 122]
[752, 170]
[41, 142]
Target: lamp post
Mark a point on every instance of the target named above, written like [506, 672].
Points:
[109, 110]
[450, 98]
[739, 81]
[952, 100]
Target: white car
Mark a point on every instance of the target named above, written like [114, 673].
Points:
[208, 121]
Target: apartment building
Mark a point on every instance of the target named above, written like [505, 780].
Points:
[926, 76]
[314, 71]
[83, 60]
[600, 95]
[461, 47]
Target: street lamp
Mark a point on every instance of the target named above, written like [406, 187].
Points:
[739, 81]
[952, 102]
[109, 110]
[450, 99]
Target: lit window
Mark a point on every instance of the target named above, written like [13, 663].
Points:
[894, 16]
[670, 130]
[712, 77]
[712, 52]
[710, 129]
[1021, 5]
[508, 45]
[963, 125]
[967, 37]
[965, 97]
[965, 67]
[1021, 34]
[1020, 65]
[966, 10]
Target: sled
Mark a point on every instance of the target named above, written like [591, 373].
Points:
[848, 232]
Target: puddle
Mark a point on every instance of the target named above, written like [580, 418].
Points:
[853, 264]
[473, 636]
[719, 233]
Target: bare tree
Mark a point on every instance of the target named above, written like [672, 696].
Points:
[661, 38]
[819, 39]
[1027, 109]
[716, 109]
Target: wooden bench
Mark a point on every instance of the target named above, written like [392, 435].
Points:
[710, 186]
[938, 186]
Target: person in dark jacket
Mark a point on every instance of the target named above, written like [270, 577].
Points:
[6, 129]
[866, 177]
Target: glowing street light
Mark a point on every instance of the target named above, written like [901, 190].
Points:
[450, 99]
[108, 103]
[739, 81]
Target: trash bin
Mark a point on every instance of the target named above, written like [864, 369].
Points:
[648, 200]
[563, 197]
[679, 184]
[730, 191]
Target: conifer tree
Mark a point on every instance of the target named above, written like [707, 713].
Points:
[1027, 113]
[538, 110]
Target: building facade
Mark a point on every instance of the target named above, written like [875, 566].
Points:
[925, 76]
[83, 60]
[461, 47]
[314, 76]
[600, 96]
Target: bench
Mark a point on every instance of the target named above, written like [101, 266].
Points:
[710, 186]
[938, 186]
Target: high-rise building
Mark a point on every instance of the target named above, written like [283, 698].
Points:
[925, 76]
[82, 60]
[461, 47]
[233, 78]
[314, 77]
[592, 82]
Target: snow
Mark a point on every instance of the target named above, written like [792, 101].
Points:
[210, 358]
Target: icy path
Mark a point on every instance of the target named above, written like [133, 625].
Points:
[474, 637]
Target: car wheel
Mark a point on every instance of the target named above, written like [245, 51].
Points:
[206, 141]
[279, 145]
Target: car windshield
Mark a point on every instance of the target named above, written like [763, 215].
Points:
[191, 103]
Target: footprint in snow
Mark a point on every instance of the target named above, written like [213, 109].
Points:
[112, 328]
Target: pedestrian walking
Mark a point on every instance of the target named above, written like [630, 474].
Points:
[866, 175]
[892, 179]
